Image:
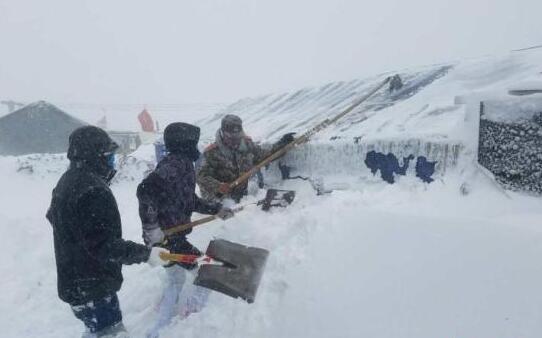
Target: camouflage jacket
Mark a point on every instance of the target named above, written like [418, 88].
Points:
[222, 164]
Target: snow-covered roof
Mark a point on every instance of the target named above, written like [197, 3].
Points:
[423, 109]
[39, 127]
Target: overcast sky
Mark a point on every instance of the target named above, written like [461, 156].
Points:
[174, 51]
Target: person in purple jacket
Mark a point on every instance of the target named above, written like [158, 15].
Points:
[167, 198]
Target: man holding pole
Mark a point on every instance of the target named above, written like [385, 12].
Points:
[232, 154]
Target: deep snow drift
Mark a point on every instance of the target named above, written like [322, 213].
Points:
[378, 260]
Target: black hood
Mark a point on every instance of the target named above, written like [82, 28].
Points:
[182, 138]
[89, 148]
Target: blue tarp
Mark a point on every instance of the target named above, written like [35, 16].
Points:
[388, 164]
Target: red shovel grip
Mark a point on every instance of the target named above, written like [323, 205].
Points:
[179, 258]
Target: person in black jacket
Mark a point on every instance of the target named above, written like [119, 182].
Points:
[167, 198]
[88, 243]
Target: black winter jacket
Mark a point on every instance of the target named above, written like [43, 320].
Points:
[167, 196]
[88, 242]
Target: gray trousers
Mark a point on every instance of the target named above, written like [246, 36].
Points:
[180, 298]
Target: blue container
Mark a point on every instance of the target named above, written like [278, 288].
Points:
[159, 151]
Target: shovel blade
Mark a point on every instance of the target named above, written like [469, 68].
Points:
[241, 273]
[277, 198]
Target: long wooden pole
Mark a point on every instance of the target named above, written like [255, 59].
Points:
[306, 136]
[184, 227]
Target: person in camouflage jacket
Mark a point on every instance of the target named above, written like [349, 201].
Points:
[232, 154]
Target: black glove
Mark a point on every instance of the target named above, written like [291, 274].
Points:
[225, 213]
[180, 245]
[286, 138]
[206, 207]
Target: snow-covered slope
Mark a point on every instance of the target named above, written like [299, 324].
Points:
[415, 260]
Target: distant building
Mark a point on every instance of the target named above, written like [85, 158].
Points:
[39, 127]
[12, 105]
[127, 140]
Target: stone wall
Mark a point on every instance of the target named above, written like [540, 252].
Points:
[510, 145]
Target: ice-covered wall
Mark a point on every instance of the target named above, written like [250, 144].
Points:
[345, 158]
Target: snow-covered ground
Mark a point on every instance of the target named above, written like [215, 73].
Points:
[376, 260]
[455, 258]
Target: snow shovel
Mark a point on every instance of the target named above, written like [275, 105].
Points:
[230, 268]
[273, 198]
[277, 198]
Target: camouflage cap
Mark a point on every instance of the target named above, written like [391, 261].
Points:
[232, 124]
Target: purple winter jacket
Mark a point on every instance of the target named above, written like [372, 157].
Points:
[167, 196]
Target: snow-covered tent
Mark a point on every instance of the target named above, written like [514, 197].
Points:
[433, 118]
[39, 127]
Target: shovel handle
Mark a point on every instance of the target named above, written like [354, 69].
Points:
[188, 259]
[184, 227]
